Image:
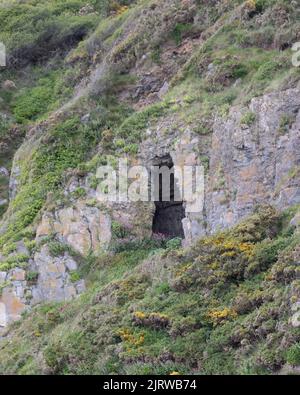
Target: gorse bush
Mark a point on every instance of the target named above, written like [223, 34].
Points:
[173, 309]
[223, 306]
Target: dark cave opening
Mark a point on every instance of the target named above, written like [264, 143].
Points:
[169, 214]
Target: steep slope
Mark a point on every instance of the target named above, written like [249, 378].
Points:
[198, 82]
[230, 305]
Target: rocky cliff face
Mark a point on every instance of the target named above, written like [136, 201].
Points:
[249, 164]
[254, 163]
[46, 279]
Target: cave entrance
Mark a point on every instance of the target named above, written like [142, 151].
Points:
[169, 213]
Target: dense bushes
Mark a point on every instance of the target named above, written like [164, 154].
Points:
[201, 314]
[223, 306]
[36, 101]
[34, 31]
[293, 355]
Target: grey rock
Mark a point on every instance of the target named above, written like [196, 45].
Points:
[13, 182]
[82, 227]
[295, 320]
[80, 286]
[8, 85]
[53, 282]
[21, 248]
[252, 166]
[3, 276]
[164, 90]
[211, 68]
[69, 292]
[296, 306]
[295, 222]
[16, 275]
[85, 118]
[4, 172]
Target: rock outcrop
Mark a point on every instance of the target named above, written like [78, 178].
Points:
[253, 159]
[82, 227]
[46, 279]
[254, 163]
[53, 281]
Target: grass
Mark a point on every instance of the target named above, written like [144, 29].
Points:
[32, 103]
[194, 100]
[40, 29]
[150, 308]
[194, 317]
[71, 143]
[179, 31]
[248, 119]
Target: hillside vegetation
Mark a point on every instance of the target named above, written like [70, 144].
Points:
[76, 94]
[223, 307]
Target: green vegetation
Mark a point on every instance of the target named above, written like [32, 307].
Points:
[118, 230]
[179, 30]
[293, 355]
[286, 122]
[16, 260]
[32, 277]
[248, 119]
[74, 276]
[195, 96]
[223, 306]
[37, 101]
[210, 310]
[32, 31]
[56, 248]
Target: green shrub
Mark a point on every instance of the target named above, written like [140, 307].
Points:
[131, 129]
[33, 31]
[79, 193]
[267, 252]
[31, 245]
[261, 5]
[35, 102]
[174, 244]
[17, 260]
[132, 149]
[93, 182]
[179, 31]
[293, 355]
[248, 119]
[184, 326]
[74, 276]
[267, 70]
[286, 121]
[9, 248]
[118, 230]
[32, 277]
[57, 249]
